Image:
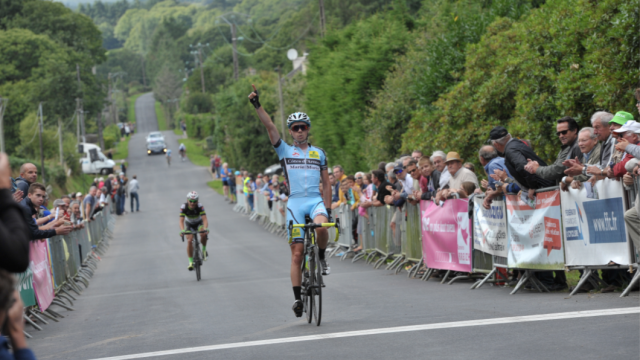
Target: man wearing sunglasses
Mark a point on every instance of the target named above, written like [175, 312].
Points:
[304, 166]
[567, 131]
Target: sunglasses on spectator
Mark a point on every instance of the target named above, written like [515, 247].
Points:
[411, 171]
[297, 128]
[397, 172]
[564, 132]
[359, 178]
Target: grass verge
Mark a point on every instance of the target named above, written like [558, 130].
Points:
[216, 185]
[196, 151]
[131, 114]
[162, 123]
[177, 131]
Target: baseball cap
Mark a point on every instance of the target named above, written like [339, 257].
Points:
[78, 193]
[121, 174]
[398, 168]
[621, 117]
[630, 125]
[237, 172]
[498, 132]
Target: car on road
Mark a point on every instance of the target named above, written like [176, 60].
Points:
[156, 147]
[155, 136]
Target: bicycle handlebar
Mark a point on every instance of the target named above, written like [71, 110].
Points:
[335, 224]
[188, 232]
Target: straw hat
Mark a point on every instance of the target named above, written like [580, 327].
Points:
[453, 156]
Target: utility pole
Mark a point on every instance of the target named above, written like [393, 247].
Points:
[201, 67]
[60, 142]
[284, 134]
[3, 105]
[41, 146]
[322, 22]
[235, 52]
[81, 112]
[78, 119]
[144, 77]
[109, 93]
[100, 137]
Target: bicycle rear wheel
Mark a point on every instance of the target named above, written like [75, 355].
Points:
[317, 310]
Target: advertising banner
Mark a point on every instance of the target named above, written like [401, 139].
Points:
[446, 235]
[535, 235]
[593, 225]
[39, 266]
[24, 285]
[490, 227]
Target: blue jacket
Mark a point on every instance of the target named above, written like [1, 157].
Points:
[21, 354]
[495, 163]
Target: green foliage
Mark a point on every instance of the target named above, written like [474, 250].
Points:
[198, 103]
[199, 125]
[162, 122]
[566, 58]
[345, 71]
[240, 137]
[433, 64]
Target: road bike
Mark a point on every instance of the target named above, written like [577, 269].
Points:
[169, 160]
[183, 154]
[197, 251]
[311, 287]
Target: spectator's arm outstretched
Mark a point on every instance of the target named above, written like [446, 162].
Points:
[274, 135]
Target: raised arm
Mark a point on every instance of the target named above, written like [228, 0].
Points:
[274, 135]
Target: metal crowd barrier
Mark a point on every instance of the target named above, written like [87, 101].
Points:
[73, 260]
[272, 219]
[345, 214]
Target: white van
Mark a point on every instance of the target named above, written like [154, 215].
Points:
[94, 161]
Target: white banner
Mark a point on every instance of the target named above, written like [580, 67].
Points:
[490, 227]
[593, 225]
[535, 234]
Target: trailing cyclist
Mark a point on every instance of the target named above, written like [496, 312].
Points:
[182, 150]
[304, 166]
[168, 155]
[194, 218]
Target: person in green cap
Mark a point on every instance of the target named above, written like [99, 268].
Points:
[619, 119]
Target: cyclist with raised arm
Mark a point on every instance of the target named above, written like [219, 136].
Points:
[182, 150]
[304, 166]
[193, 218]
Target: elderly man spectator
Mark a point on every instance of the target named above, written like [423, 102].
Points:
[459, 175]
[590, 149]
[567, 131]
[416, 155]
[89, 203]
[604, 124]
[429, 179]
[60, 210]
[28, 175]
[437, 159]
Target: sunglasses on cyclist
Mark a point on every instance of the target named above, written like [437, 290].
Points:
[297, 128]
[193, 201]
[564, 132]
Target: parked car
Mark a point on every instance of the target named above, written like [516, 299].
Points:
[155, 136]
[156, 147]
[93, 160]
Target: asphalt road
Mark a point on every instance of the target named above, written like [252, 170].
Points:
[143, 299]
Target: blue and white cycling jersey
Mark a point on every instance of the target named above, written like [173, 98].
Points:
[301, 168]
[168, 152]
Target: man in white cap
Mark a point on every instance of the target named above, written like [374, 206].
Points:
[627, 135]
[80, 199]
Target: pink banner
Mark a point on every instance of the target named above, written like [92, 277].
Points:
[446, 235]
[41, 268]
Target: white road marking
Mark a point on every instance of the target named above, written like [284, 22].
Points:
[446, 325]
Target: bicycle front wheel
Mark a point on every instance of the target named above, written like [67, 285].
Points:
[197, 257]
[317, 310]
[311, 308]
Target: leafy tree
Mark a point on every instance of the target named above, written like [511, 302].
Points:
[347, 68]
[525, 75]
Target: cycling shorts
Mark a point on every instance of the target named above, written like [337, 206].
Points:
[297, 208]
[193, 226]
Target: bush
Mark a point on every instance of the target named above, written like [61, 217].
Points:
[199, 103]
[199, 126]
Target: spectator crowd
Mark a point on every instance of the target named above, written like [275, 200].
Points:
[609, 148]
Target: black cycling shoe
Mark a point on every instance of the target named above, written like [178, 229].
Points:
[297, 308]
